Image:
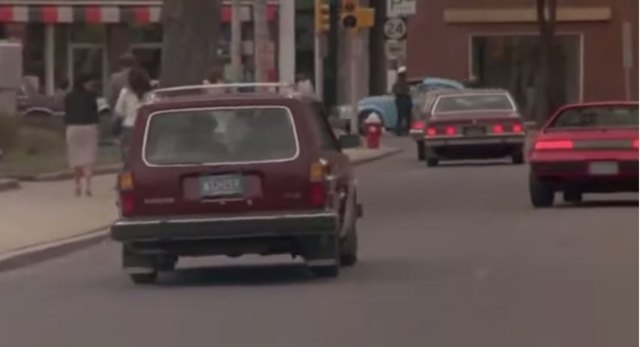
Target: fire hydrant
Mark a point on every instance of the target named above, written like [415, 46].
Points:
[373, 131]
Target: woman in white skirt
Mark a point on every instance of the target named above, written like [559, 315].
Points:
[81, 119]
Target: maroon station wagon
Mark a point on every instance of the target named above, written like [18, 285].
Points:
[217, 171]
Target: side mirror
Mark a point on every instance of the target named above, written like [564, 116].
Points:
[349, 141]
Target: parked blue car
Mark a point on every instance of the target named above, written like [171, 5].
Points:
[384, 105]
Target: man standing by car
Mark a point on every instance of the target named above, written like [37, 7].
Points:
[404, 104]
[119, 79]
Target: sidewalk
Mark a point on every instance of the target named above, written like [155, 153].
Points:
[45, 212]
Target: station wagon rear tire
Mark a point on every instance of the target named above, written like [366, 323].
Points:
[540, 193]
[144, 278]
[420, 149]
[349, 249]
[331, 271]
[327, 257]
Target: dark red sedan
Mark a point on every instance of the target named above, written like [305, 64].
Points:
[585, 148]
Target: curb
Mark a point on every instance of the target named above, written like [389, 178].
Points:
[388, 153]
[31, 255]
[66, 175]
[9, 184]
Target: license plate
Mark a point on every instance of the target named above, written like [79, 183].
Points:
[474, 131]
[223, 185]
[603, 168]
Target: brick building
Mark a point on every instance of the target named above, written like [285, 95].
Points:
[496, 41]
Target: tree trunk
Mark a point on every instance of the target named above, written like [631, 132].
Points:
[190, 40]
[261, 37]
[546, 12]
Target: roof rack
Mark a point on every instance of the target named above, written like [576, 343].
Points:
[286, 89]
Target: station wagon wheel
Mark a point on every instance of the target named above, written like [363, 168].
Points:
[326, 263]
[432, 161]
[349, 248]
[144, 278]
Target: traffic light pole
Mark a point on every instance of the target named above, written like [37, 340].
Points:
[352, 51]
[318, 65]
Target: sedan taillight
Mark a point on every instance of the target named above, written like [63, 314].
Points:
[554, 145]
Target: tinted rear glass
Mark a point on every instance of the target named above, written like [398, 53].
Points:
[229, 135]
[598, 117]
[467, 103]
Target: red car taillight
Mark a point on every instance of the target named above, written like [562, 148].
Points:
[417, 125]
[498, 129]
[517, 128]
[317, 184]
[450, 131]
[554, 145]
[127, 197]
[431, 131]
[635, 143]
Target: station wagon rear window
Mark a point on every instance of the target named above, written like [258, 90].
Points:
[472, 103]
[597, 117]
[220, 135]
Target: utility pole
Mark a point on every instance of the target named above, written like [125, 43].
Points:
[261, 37]
[287, 41]
[322, 10]
[236, 40]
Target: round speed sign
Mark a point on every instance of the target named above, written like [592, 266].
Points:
[395, 28]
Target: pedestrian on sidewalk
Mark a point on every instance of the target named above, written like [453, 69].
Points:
[131, 98]
[119, 79]
[215, 78]
[404, 103]
[81, 120]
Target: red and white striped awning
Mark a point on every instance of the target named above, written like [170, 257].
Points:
[103, 14]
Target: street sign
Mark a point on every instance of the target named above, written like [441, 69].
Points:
[395, 28]
[398, 8]
[396, 50]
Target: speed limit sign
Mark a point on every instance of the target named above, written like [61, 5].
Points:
[395, 28]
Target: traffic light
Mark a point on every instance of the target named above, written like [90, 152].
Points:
[323, 16]
[349, 13]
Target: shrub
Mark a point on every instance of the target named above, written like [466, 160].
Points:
[9, 126]
[38, 141]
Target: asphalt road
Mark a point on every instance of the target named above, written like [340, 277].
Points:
[451, 256]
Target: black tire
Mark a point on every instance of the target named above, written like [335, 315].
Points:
[432, 161]
[420, 149]
[517, 158]
[572, 196]
[331, 253]
[541, 194]
[144, 278]
[349, 249]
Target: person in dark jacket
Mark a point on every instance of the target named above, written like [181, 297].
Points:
[404, 103]
[81, 120]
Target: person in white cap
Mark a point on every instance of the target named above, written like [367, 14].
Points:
[404, 103]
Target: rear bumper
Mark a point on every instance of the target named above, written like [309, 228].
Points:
[474, 141]
[564, 175]
[225, 228]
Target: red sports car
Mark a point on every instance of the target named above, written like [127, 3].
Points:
[585, 148]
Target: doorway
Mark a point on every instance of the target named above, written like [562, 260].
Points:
[511, 62]
[88, 58]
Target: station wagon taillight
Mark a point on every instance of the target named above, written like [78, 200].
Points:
[417, 125]
[431, 131]
[498, 129]
[317, 180]
[635, 143]
[554, 145]
[127, 197]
